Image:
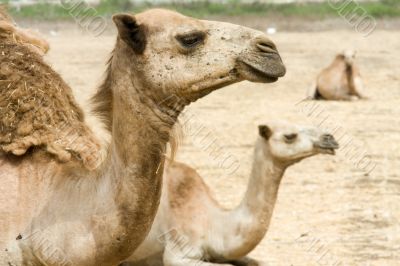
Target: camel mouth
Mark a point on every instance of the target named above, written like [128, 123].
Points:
[330, 151]
[266, 68]
[327, 146]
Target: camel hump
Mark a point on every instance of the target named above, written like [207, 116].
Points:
[185, 185]
[37, 109]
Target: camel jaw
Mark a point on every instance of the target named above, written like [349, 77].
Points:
[261, 67]
[330, 151]
[202, 88]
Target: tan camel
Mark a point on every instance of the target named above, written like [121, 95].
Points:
[339, 81]
[58, 204]
[27, 37]
[192, 229]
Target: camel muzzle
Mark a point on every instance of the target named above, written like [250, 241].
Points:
[262, 62]
[327, 144]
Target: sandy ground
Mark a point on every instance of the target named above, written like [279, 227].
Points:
[330, 210]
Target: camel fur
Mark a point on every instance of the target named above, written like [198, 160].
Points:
[11, 32]
[39, 110]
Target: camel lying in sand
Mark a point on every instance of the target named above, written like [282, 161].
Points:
[31, 39]
[339, 81]
[86, 194]
[192, 229]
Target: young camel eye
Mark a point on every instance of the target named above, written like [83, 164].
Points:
[290, 138]
[191, 40]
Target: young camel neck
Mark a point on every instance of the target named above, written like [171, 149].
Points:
[350, 77]
[140, 131]
[252, 217]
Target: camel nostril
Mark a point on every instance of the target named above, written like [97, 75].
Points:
[327, 137]
[266, 46]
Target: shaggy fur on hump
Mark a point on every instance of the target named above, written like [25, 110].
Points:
[9, 31]
[37, 109]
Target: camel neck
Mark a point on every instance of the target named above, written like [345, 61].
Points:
[140, 133]
[350, 77]
[253, 215]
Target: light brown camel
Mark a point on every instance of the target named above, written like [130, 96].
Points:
[339, 81]
[27, 37]
[58, 205]
[192, 229]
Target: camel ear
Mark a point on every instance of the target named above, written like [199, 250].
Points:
[130, 31]
[264, 131]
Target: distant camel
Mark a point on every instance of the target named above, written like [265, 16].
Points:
[31, 39]
[80, 194]
[339, 81]
[192, 229]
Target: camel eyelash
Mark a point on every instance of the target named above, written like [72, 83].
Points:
[192, 39]
[290, 138]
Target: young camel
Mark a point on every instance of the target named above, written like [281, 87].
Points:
[32, 40]
[192, 229]
[339, 81]
[61, 201]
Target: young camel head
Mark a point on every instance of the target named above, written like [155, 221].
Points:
[288, 144]
[171, 54]
[349, 56]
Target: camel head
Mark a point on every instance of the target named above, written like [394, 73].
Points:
[348, 56]
[288, 143]
[171, 54]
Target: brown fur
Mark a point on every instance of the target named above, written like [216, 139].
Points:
[103, 99]
[37, 108]
[10, 32]
[185, 185]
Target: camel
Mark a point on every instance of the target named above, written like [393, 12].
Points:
[83, 189]
[191, 228]
[339, 81]
[27, 37]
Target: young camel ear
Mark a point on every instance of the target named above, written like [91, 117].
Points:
[131, 32]
[264, 131]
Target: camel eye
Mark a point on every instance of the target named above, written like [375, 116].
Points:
[191, 40]
[290, 138]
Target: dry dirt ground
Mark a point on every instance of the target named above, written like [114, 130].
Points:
[330, 210]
